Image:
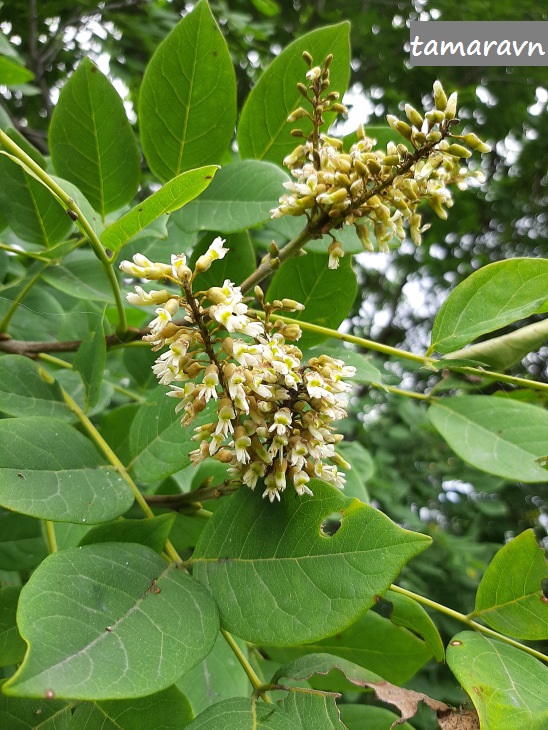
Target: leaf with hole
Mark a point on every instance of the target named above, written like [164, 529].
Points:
[91, 141]
[492, 297]
[49, 470]
[116, 622]
[499, 436]
[506, 685]
[279, 580]
[187, 101]
[263, 130]
[510, 597]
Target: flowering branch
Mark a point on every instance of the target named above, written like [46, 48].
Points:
[274, 411]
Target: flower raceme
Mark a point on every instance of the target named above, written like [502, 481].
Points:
[274, 412]
[373, 188]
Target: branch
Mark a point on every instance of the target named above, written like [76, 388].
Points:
[179, 502]
[34, 349]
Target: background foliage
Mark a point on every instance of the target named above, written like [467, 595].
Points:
[404, 465]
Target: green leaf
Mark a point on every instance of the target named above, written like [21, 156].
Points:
[372, 642]
[51, 471]
[152, 532]
[90, 360]
[241, 196]
[506, 685]
[13, 74]
[91, 141]
[243, 714]
[72, 383]
[410, 614]
[168, 710]
[18, 714]
[216, 678]
[82, 276]
[26, 390]
[249, 544]
[12, 646]
[173, 195]
[116, 622]
[187, 101]
[363, 468]
[491, 298]
[327, 294]
[22, 544]
[33, 213]
[510, 597]
[263, 130]
[237, 265]
[307, 666]
[496, 435]
[503, 352]
[307, 710]
[158, 444]
[359, 717]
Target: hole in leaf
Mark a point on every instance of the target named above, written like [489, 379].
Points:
[544, 589]
[331, 524]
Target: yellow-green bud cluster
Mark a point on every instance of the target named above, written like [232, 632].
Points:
[382, 189]
[274, 413]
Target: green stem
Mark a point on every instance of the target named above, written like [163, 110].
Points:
[288, 251]
[4, 324]
[248, 669]
[429, 362]
[50, 536]
[469, 622]
[117, 464]
[81, 221]
[28, 254]
[406, 393]
[369, 344]
[68, 366]
[503, 378]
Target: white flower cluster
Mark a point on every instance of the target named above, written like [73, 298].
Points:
[382, 188]
[275, 413]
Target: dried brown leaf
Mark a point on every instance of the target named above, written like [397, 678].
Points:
[457, 720]
[406, 700]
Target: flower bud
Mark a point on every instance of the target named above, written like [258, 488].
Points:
[291, 305]
[413, 115]
[440, 98]
[298, 113]
[475, 143]
[451, 108]
[458, 151]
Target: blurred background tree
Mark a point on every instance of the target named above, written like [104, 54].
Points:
[414, 476]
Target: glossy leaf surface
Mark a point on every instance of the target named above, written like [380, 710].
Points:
[116, 622]
[317, 585]
[49, 470]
